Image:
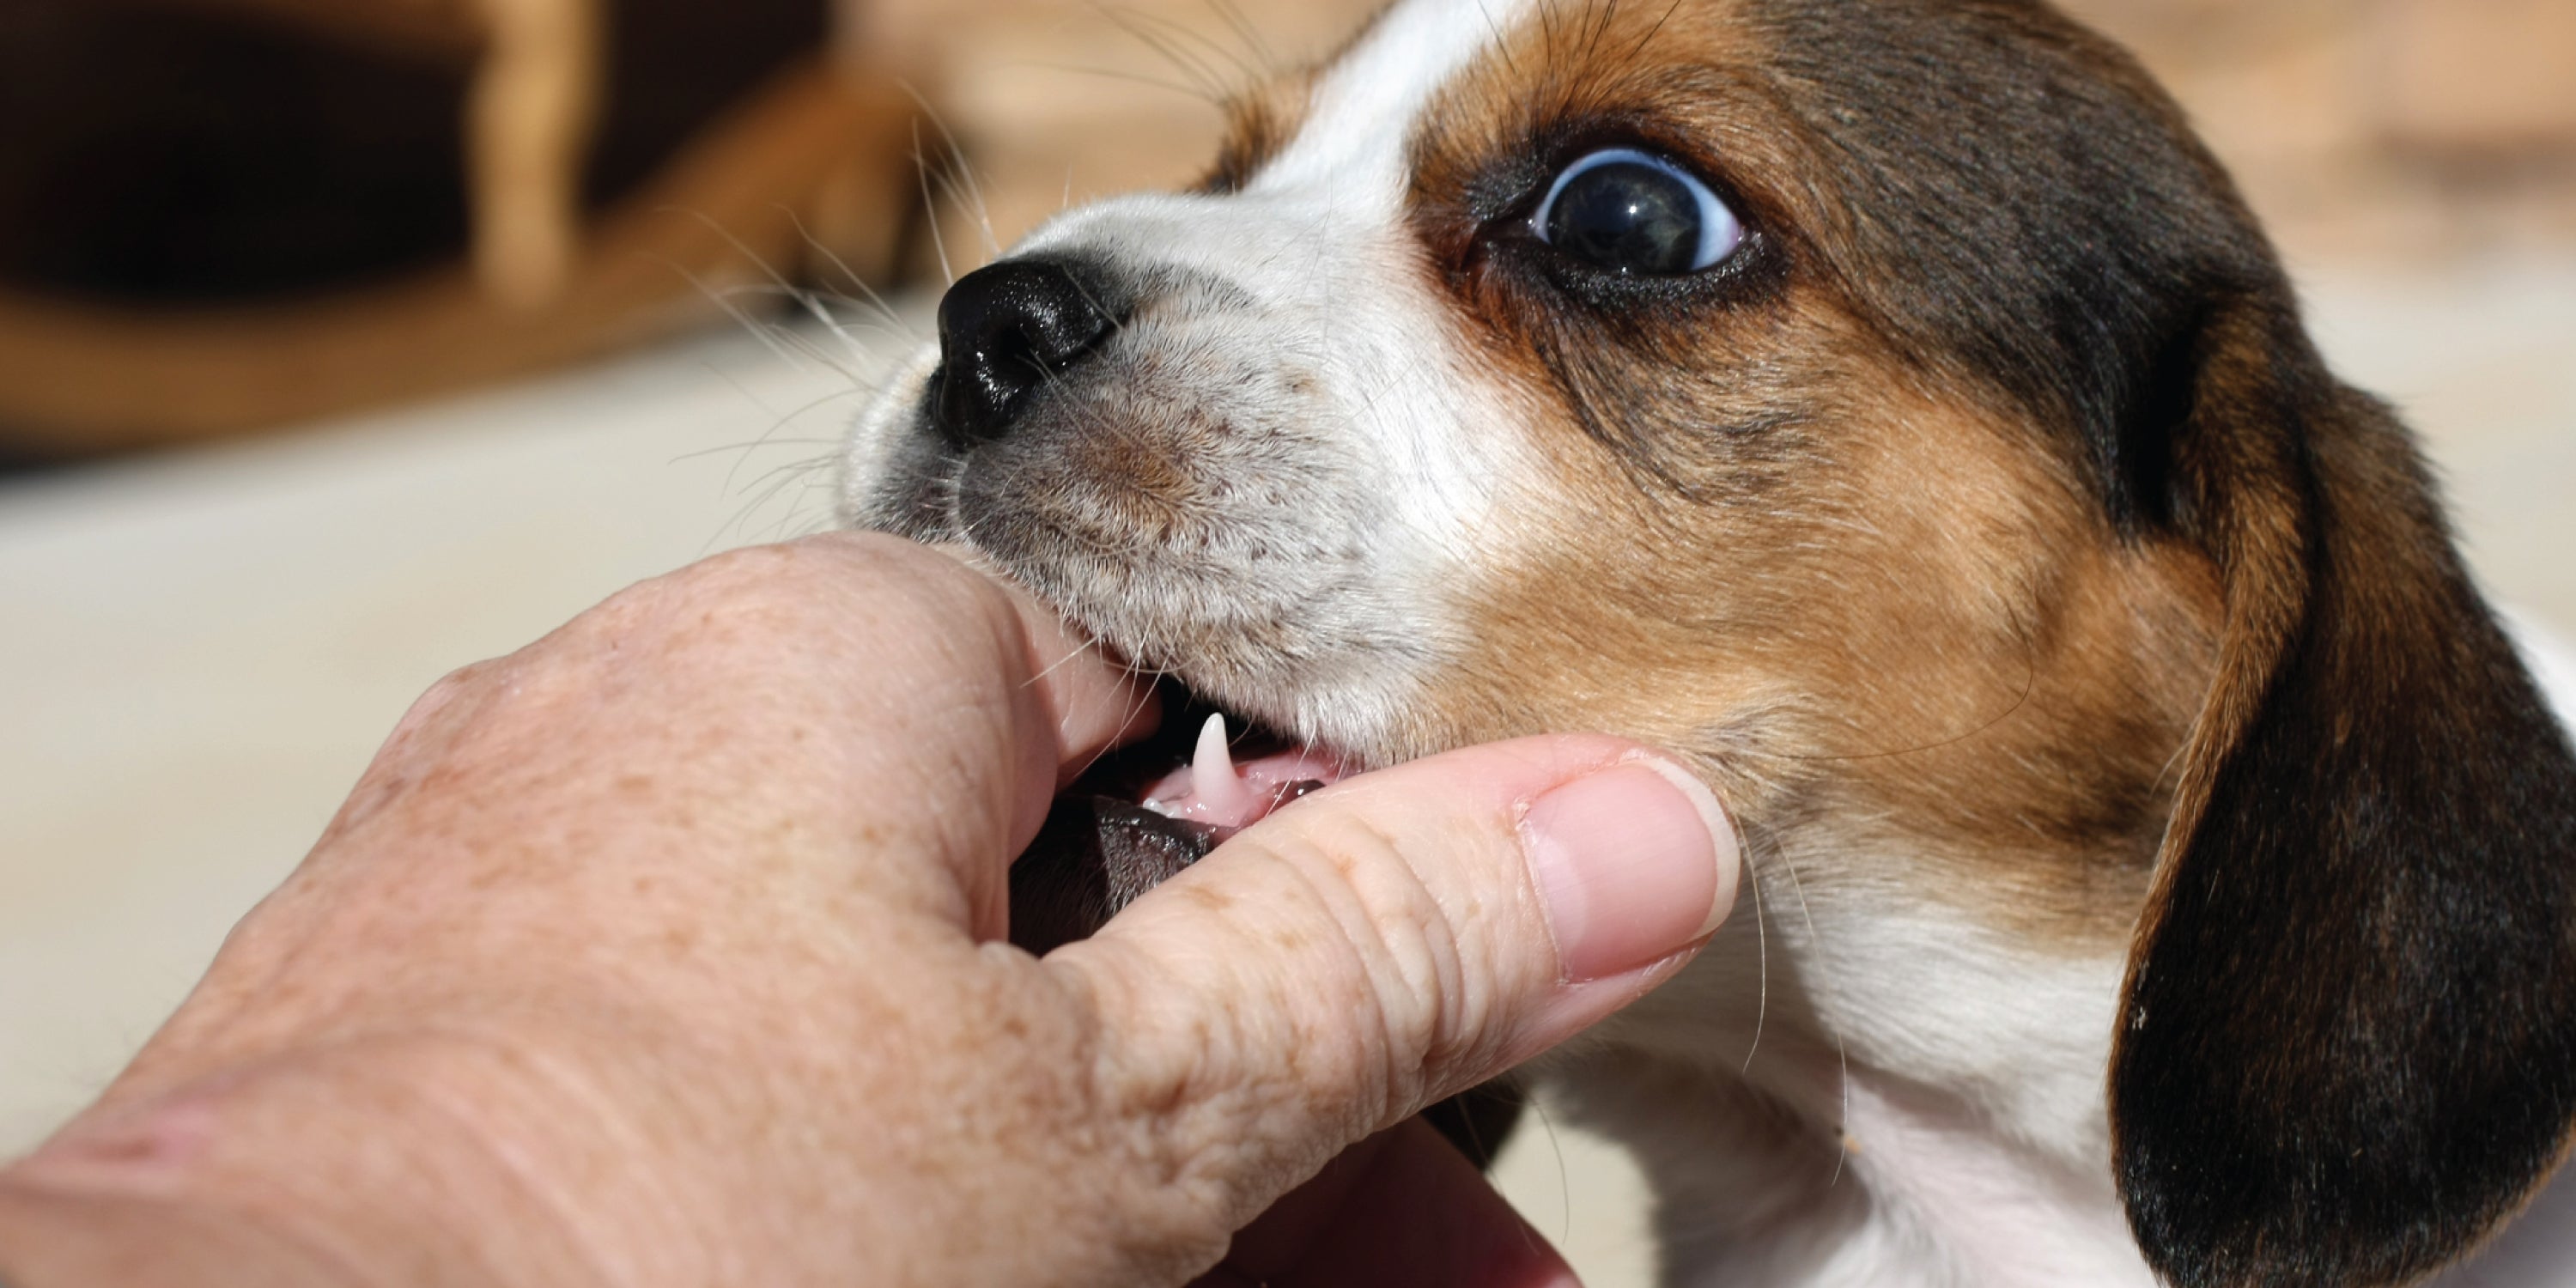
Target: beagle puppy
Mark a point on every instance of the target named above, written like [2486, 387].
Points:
[2164, 868]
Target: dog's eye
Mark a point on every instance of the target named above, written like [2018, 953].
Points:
[1632, 213]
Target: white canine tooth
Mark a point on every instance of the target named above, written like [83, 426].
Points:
[1212, 772]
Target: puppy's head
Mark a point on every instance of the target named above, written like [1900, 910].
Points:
[1890, 405]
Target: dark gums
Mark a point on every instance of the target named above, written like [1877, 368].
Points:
[1097, 854]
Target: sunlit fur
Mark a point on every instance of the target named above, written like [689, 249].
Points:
[1852, 523]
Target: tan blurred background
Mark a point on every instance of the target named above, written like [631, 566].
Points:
[2364, 129]
[346, 341]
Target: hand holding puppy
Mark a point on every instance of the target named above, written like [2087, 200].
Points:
[670, 950]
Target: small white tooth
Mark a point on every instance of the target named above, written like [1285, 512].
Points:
[1212, 772]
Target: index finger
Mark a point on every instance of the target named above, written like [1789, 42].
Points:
[1100, 701]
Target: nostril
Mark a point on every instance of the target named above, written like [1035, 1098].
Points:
[1005, 330]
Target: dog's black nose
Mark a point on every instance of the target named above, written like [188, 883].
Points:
[1005, 330]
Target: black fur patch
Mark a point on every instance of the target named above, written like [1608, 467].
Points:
[2024, 201]
[2350, 1046]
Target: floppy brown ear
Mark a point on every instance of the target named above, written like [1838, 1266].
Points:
[2348, 1046]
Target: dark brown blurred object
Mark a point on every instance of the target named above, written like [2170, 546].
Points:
[222, 215]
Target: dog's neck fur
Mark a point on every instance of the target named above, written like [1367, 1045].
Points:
[1921, 1191]
[1780, 1156]
[1783, 1148]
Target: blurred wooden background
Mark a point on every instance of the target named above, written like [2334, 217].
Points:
[397, 198]
[224, 216]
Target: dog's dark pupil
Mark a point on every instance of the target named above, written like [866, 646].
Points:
[1629, 219]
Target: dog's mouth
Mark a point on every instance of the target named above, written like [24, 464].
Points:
[1151, 809]
[1236, 774]
[1207, 773]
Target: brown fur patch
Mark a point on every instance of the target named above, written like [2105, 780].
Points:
[1863, 589]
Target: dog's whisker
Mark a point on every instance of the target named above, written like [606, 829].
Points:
[1211, 82]
[966, 199]
[930, 208]
[738, 529]
[773, 482]
[1059, 664]
[784, 343]
[888, 324]
[1246, 70]
[1256, 45]
[752, 445]
[1842, 1051]
[1193, 92]
[1761, 960]
[725, 299]
[828, 460]
[1136, 711]
[855, 377]
[1564, 1174]
[868, 296]
[964, 167]
[785, 289]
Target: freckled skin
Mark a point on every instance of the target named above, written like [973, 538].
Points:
[670, 857]
[761, 1025]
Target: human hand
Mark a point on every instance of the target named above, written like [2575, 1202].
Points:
[671, 950]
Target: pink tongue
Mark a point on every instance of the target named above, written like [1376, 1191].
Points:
[1214, 790]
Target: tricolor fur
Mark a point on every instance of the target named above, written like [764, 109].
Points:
[2164, 865]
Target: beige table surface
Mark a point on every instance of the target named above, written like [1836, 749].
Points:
[199, 653]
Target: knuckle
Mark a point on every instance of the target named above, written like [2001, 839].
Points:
[458, 684]
[1416, 947]
[707, 606]
[458, 691]
[1377, 971]
[1210, 1116]
[1330, 986]
[814, 583]
[749, 576]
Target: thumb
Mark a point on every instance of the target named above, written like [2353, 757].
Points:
[1389, 942]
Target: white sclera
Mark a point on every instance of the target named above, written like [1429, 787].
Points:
[1720, 232]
